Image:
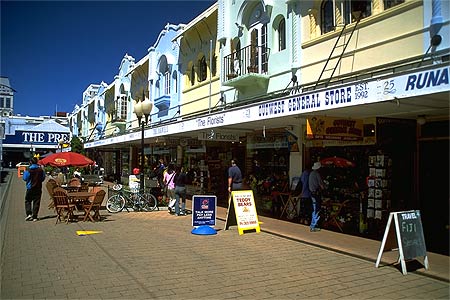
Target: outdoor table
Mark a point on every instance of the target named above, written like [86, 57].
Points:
[79, 197]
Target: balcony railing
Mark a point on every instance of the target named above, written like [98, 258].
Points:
[249, 60]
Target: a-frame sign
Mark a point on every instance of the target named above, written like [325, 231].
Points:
[409, 236]
[242, 211]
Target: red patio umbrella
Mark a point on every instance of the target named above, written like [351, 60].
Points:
[337, 161]
[66, 159]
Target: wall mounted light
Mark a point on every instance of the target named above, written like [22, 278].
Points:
[421, 120]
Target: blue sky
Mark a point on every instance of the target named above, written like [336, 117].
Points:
[52, 50]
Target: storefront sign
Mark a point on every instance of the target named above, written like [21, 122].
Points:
[204, 210]
[327, 128]
[36, 138]
[218, 135]
[428, 81]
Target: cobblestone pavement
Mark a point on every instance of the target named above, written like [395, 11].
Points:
[155, 256]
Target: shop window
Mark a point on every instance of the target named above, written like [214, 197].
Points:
[281, 35]
[202, 69]
[392, 3]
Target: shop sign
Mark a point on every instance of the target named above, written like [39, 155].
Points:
[36, 138]
[328, 128]
[360, 93]
[218, 135]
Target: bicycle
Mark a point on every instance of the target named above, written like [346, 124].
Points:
[130, 199]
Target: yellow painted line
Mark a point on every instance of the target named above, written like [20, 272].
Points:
[86, 232]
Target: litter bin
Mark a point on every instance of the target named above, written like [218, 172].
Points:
[20, 171]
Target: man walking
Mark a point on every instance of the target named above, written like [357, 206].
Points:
[315, 186]
[234, 177]
[33, 176]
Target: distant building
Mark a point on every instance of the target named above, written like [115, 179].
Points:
[6, 97]
[23, 137]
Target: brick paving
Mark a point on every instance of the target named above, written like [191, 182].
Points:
[155, 256]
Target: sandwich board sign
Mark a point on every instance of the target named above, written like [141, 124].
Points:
[242, 211]
[409, 235]
[204, 210]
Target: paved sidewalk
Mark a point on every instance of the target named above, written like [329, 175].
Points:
[155, 256]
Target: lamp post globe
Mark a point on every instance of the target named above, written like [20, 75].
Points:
[142, 108]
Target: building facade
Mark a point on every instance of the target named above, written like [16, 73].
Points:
[282, 84]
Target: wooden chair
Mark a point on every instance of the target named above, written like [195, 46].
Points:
[64, 209]
[335, 209]
[74, 182]
[51, 185]
[94, 206]
[84, 187]
[291, 200]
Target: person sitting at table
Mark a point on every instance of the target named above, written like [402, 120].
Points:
[77, 174]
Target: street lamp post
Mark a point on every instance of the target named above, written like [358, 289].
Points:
[142, 108]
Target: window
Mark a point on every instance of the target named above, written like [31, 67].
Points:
[192, 76]
[121, 104]
[214, 65]
[2, 102]
[167, 83]
[349, 10]
[327, 16]
[8, 102]
[392, 3]
[202, 68]
[358, 9]
[123, 107]
[282, 35]
[175, 81]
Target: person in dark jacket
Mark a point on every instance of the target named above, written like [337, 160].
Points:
[33, 176]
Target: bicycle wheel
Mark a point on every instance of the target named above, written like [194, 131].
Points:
[115, 203]
[149, 202]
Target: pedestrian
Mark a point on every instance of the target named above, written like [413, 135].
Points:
[33, 176]
[180, 191]
[316, 186]
[160, 173]
[234, 177]
[305, 196]
[170, 186]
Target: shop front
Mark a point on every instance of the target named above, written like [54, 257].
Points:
[371, 123]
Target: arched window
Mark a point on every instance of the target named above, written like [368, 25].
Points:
[192, 75]
[392, 3]
[281, 35]
[175, 81]
[327, 16]
[167, 83]
[202, 69]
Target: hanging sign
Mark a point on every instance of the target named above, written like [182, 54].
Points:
[242, 211]
[409, 235]
[328, 128]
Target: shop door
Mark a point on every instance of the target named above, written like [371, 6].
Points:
[434, 194]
